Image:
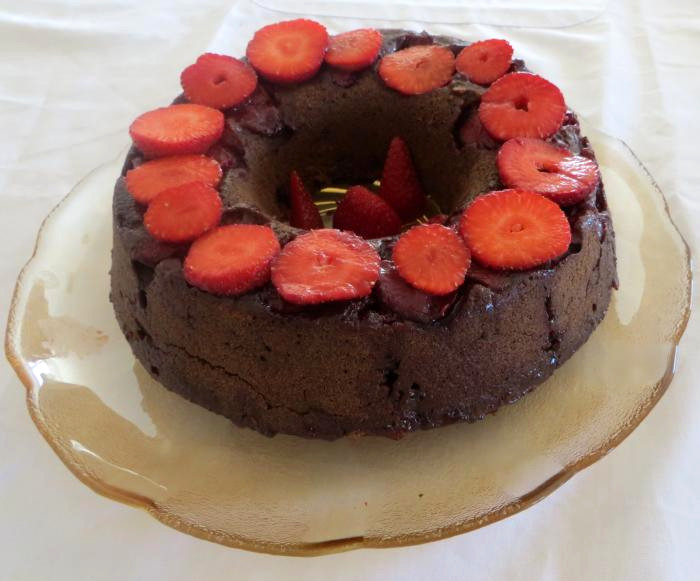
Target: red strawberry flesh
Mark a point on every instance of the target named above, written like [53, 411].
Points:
[554, 172]
[400, 186]
[218, 81]
[232, 260]
[325, 265]
[304, 213]
[366, 214]
[485, 61]
[146, 181]
[290, 51]
[432, 258]
[514, 230]
[354, 50]
[177, 130]
[183, 213]
[522, 105]
[418, 69]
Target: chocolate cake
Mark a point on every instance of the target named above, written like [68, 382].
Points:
[398, 359]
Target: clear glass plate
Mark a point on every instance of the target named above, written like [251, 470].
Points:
[129, 439]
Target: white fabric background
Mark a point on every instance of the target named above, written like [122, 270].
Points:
[73, 74]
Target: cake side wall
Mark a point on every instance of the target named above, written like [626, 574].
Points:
[327, 378]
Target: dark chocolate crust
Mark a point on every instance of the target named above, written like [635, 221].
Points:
[369, 366]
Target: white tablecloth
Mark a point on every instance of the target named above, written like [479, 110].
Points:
[73, 74]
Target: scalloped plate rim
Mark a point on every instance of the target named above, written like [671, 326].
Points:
[347, 543]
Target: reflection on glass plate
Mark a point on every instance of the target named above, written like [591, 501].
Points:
[128, 438]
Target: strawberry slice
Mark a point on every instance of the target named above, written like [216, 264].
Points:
[354, 50]
[432, 258]
[554, 172]
[418, 69]
[177, 130]
[400, 186]
[231, 260]
[183, 213]
[325, 265]
[218, 81]
[485, 61]
[366, 214]
[522, 105]
[146, 181]
[515, 230]
[290, 51]
[304, 212]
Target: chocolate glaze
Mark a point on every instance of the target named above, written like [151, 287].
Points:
[397, 360]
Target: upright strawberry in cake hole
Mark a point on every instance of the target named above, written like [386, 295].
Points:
[325, 265]
[290, 51]
[400, 186]
[354, 50]
[485, 61]
[218, 81]
[304, 213]
[515, 230]
[176, 130]
[438, 219]
[418, 69]
[366, 214]
[432, 258]
[522, 105]
[183, 213]
[554, 172]
[146, 181]
[231, 260]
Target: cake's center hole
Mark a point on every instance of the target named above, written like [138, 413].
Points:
[521, 103]
[483, 57]
[219, 79]
[517, 227]
[328, 198]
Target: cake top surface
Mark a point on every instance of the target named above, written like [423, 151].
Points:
[458, 167]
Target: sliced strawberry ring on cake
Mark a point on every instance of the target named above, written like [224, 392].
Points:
[183, 213]
[147, 180]
[325, 265]
[218, 81]
[231, 260]
[554, 172]
[514, 230]
[354, 50]
[485, 61]
[418, 69]
[522, 105]
[290, 51]
[180, 129]
[432, 258]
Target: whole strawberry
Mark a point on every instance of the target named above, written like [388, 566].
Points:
[366, 214]
[400, 186]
